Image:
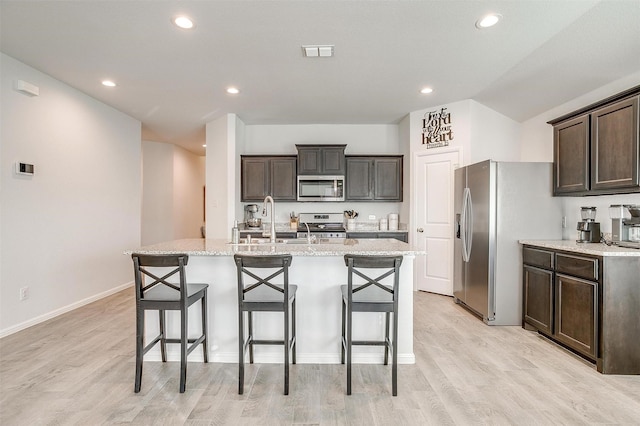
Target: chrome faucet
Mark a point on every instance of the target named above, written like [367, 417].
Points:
[269, 199]
[308, 233]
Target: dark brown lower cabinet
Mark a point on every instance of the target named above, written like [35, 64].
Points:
[577, 314]
[589, 304]
[538, 298]
[402, 236]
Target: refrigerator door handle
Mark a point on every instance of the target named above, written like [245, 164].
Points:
[464, 223]
[469, 226]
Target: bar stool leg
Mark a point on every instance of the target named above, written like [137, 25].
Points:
[183, 350]
[240, 352]
[250, 339]
[205, 349]
[163, 336]
[344, 342]
[286, 348]
[394, 367]
[293, 330]
[139, 348]
[349, 348]
[386, 338]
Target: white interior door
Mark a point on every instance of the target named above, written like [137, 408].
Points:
[434, 221]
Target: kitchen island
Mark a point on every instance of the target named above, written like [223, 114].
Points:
[318, 270]
[585, 296]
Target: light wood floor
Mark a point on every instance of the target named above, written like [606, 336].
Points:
[79, 369]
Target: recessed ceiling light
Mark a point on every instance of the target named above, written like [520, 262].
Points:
[426, 90]
[183, 22]
[233, 90]
[108, 83]
[488, 20]
[204, 145]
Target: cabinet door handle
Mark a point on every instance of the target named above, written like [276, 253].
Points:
[420, 230]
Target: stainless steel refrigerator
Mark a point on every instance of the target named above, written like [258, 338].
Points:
[496, 204]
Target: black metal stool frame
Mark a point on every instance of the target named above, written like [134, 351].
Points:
[162, 295]
[271, 304]
[377, 303]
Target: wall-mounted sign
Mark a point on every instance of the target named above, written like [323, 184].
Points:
[436, 129]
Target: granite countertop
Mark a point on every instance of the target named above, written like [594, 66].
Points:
[597, 249]
[220, 247]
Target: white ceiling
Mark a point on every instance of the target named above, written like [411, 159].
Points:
[542, 54]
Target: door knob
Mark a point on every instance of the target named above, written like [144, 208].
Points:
[420, 230]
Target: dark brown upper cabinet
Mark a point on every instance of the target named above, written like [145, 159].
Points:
[614, 144]
[596, 149]
[374, 178]
[321, 159]
[268, 175]
[571, 155]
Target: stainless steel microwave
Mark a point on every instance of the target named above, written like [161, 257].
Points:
[320, 188]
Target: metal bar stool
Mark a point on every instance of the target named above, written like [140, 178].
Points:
[163, 295]
[371, 296]
[262, 294]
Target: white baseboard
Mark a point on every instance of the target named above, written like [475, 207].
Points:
[42, 318]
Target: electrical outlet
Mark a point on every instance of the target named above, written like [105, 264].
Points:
[372, 217]
[564, 221]
[24, 293]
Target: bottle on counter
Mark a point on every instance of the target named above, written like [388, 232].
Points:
[393, 221]
[235, 233]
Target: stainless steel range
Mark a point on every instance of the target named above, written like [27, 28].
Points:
[322, 225]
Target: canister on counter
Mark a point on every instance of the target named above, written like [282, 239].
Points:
[393, 221]
[383, 224]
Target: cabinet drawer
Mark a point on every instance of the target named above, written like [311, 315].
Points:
[583, 267]
[537, 257]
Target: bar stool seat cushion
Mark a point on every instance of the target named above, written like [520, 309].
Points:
[267, 294]
[167, 294]
[371, 294]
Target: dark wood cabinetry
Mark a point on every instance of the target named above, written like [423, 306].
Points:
[374, 178]
[268, 175]
[561, 297]
[586, 303]
[614, 145]
[597, 149]
[576, 314]
[321, 160]
[571, 154]
[402, 236]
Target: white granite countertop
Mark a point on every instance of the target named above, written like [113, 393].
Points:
[597, 249]
[220, 247]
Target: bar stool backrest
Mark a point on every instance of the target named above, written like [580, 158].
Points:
[246, 265]
[357, 265]
[141, 264]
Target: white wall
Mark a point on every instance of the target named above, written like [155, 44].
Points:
[222, 162]
[375, 139]
[493, 135]
[172, 195]
[63, 231]
[157, 192]
[481, 132]
[537, 145]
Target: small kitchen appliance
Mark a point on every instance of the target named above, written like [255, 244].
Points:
[250, 216]
[320, 188]
[322, 225]
[625, 225]
[588, 227]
